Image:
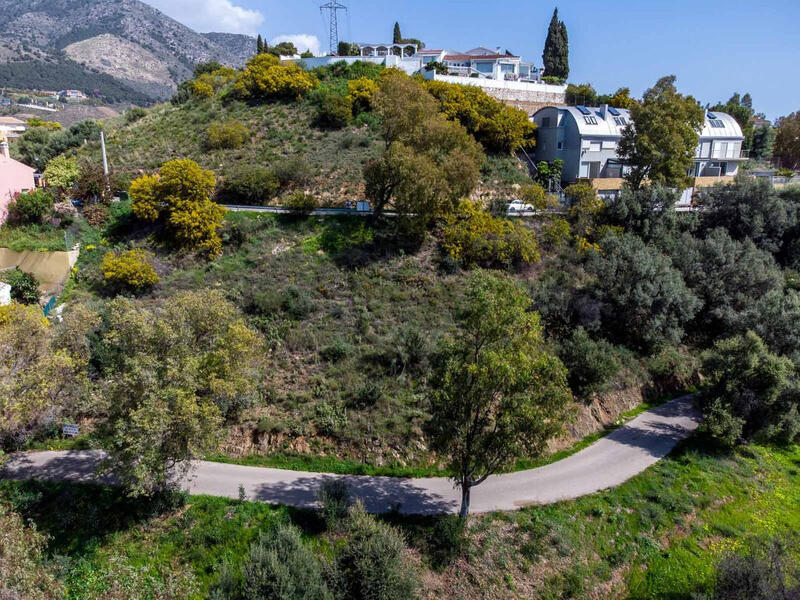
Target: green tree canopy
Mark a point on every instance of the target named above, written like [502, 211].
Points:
[648, 212]
[429, 163]
[644, 302]
[556, 49]
[173, 373]
[397, 37]
[750, 208]
[753, 393]
[497, 394]
[787, 141]
[661, 143]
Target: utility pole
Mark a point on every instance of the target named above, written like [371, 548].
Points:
[333, 7]
[105, 159]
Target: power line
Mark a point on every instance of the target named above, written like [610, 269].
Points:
[333, 7]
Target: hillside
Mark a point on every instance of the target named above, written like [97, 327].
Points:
[128, 42]
[280, 132]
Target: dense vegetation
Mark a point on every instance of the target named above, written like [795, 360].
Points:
[379, 344]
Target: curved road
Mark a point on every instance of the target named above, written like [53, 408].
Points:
[609, 462]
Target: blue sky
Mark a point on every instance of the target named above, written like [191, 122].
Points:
[713, 48]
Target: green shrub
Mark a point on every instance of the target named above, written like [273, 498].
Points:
[248, 184]
[334, 110]
[292, 171]
[226, 135]
[757, 574]
[296, 302]
[31, 207]
[300, 203]
[448, 540]
[590, 364]
[752, 393]
[336, 351]
[24, 286]
[329, 418]
[335, 501]
[281, 567]
[373, 563]
[134, 114]
[367, 394]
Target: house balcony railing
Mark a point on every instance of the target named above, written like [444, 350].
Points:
[743, 155]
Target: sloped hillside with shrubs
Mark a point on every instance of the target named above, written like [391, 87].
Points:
[313, 130]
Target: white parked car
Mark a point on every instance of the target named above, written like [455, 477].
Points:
[518, 206]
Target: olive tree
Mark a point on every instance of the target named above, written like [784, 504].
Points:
[644, 300]
[497, 394]
[172, 374]
[660, 143]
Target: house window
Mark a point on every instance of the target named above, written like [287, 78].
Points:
[609, 145]
[590, 120]
[620, 121]
[595, 146]
[560, 145]
[717, 123]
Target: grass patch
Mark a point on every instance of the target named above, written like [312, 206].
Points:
[658, 535]
[36, 238]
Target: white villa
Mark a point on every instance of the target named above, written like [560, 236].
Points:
[500, 74]
[586, 139]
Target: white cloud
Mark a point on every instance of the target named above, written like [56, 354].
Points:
[211, 15]
[301, 41]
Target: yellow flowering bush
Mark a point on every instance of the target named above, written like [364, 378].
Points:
[497, 126]
[265, 77]
[361, 92]
[226, 135]
[476, 238]
[179, 197]
[131, 270]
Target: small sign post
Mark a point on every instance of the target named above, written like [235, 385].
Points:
[70, 430]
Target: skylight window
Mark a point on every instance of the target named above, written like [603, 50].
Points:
[584, 110]
[613, 111]
[590, 120]
[718, 124]
[621, 121]
[712, 116]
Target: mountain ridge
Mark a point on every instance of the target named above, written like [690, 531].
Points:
[138, 46]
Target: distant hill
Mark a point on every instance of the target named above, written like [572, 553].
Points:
[125, 49]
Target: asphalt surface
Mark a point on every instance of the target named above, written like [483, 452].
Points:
[609, 462]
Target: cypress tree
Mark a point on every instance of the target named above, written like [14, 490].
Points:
[259, 45]
[398, 37]
[556, 49]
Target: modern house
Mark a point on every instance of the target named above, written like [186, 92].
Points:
[586, 139]
[483, 63]
[15, 178]
[502, 75]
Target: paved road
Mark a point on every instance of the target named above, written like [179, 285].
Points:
[609, 462]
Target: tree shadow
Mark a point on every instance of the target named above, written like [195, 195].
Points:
[78, 517]
[379, 495]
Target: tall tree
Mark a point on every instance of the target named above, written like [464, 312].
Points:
[397, 38]
[787, 142]
[556, 49]
[498, 396]
[259, 44]
[661, 143]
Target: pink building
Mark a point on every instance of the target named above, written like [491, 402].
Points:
[14, 178]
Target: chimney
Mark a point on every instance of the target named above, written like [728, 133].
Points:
[603, 111]
[4, 149]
